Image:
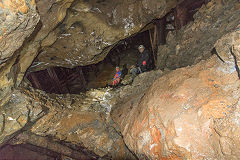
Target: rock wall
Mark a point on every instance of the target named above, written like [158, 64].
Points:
[189, 113]
[20, 26]
[81, 121]
[19, 112]
[194, 42]
[18, 20]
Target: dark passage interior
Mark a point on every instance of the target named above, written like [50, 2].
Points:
[31, 152]
[26, 151]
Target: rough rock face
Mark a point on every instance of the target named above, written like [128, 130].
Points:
[18, 113]
[57, 11]
[90, 27]
[80, 120]
[83, 121]
[190, 113]
[22, 24]
[194, 42]
[18, 20]
[21, 110]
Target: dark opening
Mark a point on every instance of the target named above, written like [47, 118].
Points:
[25, 151]
[82, 78]
[31, 152]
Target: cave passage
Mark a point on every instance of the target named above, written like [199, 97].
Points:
[62, 80]
[124, 54]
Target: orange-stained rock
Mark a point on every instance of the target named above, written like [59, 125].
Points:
[17, 6]
[190, 113]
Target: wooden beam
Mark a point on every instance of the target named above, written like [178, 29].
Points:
[151, 40]
[82, 78]
[64, 85]
[55, 80]
[35, 81]
[155, 34]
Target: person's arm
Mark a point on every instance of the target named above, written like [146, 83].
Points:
[117, 75]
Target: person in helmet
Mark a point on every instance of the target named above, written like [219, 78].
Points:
[142, 63]
[117, 77]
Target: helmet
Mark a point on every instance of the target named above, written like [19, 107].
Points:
[141, 46]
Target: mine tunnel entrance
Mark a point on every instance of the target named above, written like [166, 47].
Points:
[62, 80]
[124, 54]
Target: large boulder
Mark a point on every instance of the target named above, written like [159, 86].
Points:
[190, 113]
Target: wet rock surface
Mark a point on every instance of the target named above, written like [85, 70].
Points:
[190, 113]
[193, 42]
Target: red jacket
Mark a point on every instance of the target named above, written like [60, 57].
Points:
[116, 78]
